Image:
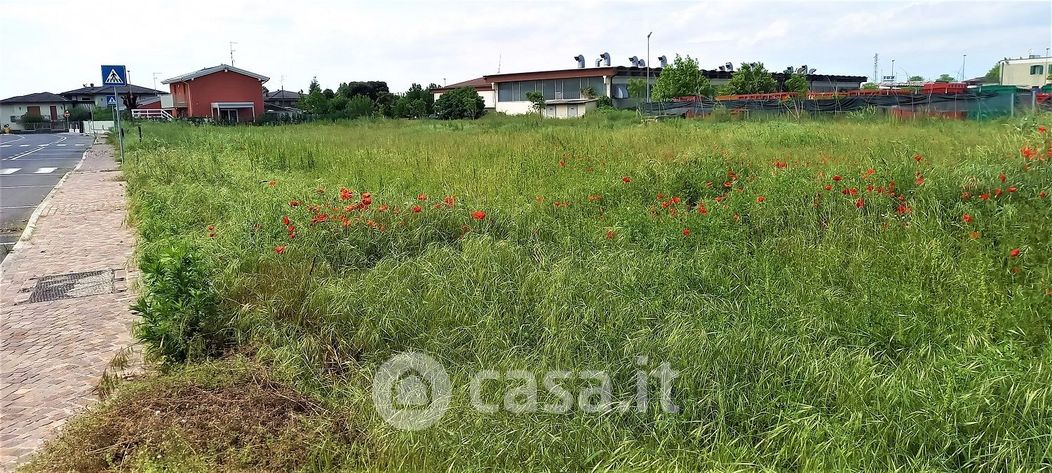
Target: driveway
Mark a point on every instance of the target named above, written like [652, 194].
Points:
[30, 166]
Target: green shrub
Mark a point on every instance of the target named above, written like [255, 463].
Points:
[178, 307]
[464, 102]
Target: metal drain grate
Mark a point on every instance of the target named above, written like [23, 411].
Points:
[68, 286]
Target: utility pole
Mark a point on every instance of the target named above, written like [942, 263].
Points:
[648, 65]
[232, 43]
[963, 59]
[155, 74]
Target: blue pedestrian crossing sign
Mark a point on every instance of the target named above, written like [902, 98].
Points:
[114, 75]
[111, 100]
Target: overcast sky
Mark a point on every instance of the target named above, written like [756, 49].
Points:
[52, 45]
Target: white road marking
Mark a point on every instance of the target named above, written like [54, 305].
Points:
[4, 146]
[22, 146]
[6, 171]
[62, 144]
[44, 171]
[79, 144]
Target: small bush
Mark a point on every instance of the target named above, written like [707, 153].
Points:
[464, 102]
[178, 306]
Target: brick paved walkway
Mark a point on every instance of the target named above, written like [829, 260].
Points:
[53, 353]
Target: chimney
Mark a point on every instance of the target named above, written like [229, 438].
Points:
[634, 60]
[580, 61]
[663, 60]
[606, 59]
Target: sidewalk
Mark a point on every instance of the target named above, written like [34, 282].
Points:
[59, 331]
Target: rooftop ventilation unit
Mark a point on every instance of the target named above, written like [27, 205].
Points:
[604, 60]
[663, 60]
[580, 61]
[634, 60]
[641, 63]
[723, 68]
[811, 70]
[730, 67]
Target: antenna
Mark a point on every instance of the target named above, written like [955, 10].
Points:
[876, 61]
[500, 56]
[155, 74]
[963, 59]
[232, 43]
[283, 82]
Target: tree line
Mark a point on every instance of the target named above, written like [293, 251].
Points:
[374, 99]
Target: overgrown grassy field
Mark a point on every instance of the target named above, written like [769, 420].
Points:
[836, 295]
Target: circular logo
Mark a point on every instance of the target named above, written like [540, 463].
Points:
[411, 391]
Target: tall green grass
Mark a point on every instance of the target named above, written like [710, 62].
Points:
[812, 331]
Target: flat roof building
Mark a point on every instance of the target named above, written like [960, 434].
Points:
[1027, 72]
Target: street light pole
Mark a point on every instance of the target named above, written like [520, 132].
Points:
[648, 65]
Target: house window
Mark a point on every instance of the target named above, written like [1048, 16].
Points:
[1037, 70]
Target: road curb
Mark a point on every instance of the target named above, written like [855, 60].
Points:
[27, 232]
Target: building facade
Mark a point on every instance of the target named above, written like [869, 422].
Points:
[92, 95]
[39, 111]
[221, 93]
[1026, 72]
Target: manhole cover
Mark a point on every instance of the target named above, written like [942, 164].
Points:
[68, 286]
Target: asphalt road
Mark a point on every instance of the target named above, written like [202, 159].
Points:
[30, 166]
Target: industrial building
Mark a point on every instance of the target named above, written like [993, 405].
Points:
[571, 92]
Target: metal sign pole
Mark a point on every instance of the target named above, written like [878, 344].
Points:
[120, 133]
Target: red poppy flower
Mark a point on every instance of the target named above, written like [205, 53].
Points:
[998, 192]
[345, 193]
[917, 157]
[686, 232]
[285, 219]
[903, 209]
[676, 200]
[837, 178]
[211, 228]
[272, 183]
[294, 203]
[1028, 152]
[869, 188]
[450, 200]
[860, 202]
[780, 164]
[478, 215]
[562, 163]
[626, 179]
[416, 209]
[421, 197]
[1014, 253]
[610, 235]
[1042, 194]
[383, 207]
[827, 187]
[966, 218]
[719, 198]
[702, 210]
[1041, 129]
[870, 172]
[280, 249]
[1002, 177]
[919, 180]
[1012, 188]
[984, 196]
[760, 199]
[728, 184]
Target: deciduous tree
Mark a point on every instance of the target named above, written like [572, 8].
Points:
[681, 78]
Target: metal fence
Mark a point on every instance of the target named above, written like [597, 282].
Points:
[974, 106]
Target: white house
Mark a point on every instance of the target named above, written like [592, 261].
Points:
[42, 110]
